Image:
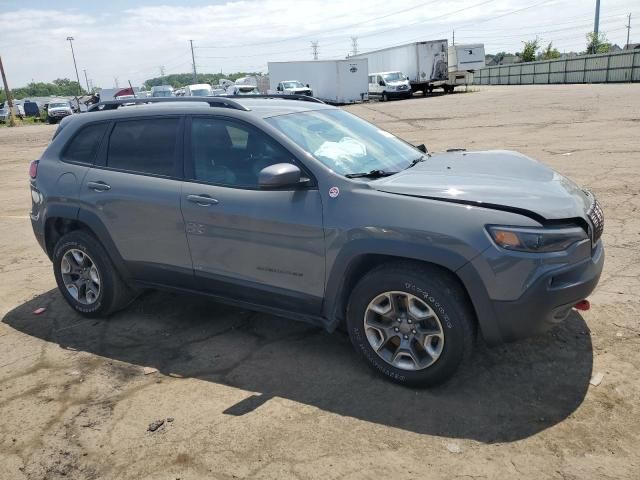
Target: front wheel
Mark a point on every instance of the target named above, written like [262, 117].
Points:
[86, 276]
[384, 97]
[411, 323]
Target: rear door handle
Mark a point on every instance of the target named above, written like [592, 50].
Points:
[98, 186]
[202, 200]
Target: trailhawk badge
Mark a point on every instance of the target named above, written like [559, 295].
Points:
[334, 192]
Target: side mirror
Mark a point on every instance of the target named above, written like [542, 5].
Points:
[381, 83]
[279, 88]
[279, 175]
[422, 147]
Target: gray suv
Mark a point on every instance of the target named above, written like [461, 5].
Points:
[303, 210]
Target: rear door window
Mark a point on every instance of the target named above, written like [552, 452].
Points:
[85, 144]
[144, 146]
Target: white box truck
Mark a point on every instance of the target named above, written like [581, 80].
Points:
[464, 59]
[333, 81]
[424, 63]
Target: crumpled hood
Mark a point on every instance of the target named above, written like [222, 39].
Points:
[60, 109]
[495, 178]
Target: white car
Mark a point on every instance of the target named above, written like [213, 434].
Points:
[388, 85]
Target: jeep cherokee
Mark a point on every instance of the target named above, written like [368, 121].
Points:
[304, 210]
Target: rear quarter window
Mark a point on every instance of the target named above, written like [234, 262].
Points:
[85, 144]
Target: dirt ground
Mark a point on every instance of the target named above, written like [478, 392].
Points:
[247, 395]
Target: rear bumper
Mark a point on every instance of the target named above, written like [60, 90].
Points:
[547, 301]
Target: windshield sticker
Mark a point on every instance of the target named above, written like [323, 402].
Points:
[334, 192]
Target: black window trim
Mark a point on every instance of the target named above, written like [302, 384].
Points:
[66, 146]
[189, 170]
[101, 159]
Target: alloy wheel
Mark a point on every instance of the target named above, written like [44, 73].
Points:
[80, 276]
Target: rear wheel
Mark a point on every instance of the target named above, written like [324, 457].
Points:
[384, 97]
[411, 323]
[86, 277]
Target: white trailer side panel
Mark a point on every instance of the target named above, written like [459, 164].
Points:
[422, 62]
[466, 57]
[335, 81]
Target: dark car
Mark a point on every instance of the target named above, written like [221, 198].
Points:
[304, 210]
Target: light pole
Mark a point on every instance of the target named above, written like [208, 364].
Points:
[70, 39]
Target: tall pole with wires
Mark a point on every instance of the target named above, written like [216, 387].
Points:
[354, 45]
[7, 92]
[628, 25]
[596, 28]
[193, 59]
[314, 49]
[75, 65]
[86, 79]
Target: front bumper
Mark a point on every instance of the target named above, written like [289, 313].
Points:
[547, 300]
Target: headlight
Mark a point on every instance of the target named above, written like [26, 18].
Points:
[523, 239]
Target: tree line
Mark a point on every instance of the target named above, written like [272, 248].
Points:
[60, 87]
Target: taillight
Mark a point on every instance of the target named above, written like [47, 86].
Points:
[33, 169]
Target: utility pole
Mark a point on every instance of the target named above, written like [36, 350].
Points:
[193, 59]
[86, 79]
[70, 39]
[596, 27]
[354, 45]
[314, 49]
[454, 38]
[12, 120]
[162, 73]
[628, 29]
[115, 82]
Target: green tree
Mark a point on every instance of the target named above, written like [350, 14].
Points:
[549, 53]
[529, 50]
[597, 43]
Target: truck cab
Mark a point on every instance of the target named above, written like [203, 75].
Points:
[386, 85]
[294, 87]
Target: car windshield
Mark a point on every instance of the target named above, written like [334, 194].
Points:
[58, 105]
[393, 77]
[292, 85]
[345, 143]
[201, 92]
[162, 93]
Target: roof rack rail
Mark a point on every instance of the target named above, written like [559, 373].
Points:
[223, 102]
[281, 96]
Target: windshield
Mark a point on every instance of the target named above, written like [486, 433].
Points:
[162, 93]
[393, 77]
[345, 143]
[58, 105]
[201, 92]
[292, 85]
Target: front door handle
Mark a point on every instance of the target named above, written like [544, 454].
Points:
[202, 200]
[98, 186]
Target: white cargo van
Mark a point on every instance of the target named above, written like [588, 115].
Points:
[386, 85]
[198, 90]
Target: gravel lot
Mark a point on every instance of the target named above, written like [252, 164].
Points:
[254, 396]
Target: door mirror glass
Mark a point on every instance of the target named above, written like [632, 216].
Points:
[422, 147]
[279, 175]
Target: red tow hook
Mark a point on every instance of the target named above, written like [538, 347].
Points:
[583, 305]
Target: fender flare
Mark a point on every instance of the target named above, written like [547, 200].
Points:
[335, 294]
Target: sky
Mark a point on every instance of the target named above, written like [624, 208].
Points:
[118, 40]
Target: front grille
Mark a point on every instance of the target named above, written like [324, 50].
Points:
[403, 87]
[596, 217]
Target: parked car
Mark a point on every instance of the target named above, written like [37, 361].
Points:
[58, 109]
[304, 210]
[18, 111]
[31, 109]
[386, 85]
[294, 87]
[162, 91]
[198, 90]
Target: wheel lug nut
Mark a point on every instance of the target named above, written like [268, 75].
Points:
[396, 329]
[414, 331]
[409, 321]
[406, 337]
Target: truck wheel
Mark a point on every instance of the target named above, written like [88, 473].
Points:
[384, 97]
[411, 323]
[86, 277]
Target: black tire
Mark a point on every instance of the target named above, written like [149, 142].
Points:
[114, 293]
[384, 97]
[440, 291]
